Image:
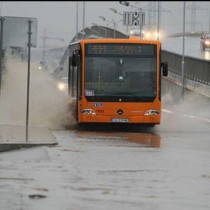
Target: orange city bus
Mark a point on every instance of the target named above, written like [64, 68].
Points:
[115, 80]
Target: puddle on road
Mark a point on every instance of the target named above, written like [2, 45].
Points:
[142, 139]
[147, 139]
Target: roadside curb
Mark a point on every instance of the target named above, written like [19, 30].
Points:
[14, 137]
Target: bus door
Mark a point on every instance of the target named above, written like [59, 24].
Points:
[76, 85]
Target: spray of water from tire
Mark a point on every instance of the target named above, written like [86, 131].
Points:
[48, 106]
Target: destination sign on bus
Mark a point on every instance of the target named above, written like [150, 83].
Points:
[120, 49]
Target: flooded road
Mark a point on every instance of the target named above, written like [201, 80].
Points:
[117, 168]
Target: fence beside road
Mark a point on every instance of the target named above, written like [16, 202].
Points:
[194, 68]
[196, 72]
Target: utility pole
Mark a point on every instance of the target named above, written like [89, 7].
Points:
[158, 25]
[152, 15]
[183, 49]
[209, 16]
[77, 20]
[44, 48]
[1, 50]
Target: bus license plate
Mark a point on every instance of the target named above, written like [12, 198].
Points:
[119, 120]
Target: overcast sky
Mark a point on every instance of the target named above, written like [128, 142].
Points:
[59, 17]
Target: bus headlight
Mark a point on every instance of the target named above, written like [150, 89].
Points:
[61, 86]
[152, 112]
[207, 42]
[88, 111]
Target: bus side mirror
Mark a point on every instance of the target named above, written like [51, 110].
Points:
[74, 58]
[164, 67]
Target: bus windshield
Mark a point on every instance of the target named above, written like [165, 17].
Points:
[121, 70]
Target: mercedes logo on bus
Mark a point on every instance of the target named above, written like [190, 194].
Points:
[119, 111]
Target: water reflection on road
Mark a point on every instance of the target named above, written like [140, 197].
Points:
[142, 139]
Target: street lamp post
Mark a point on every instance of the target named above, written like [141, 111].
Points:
[77, 20]
[83, 15]
[113, 22]
[209, 16]
[115, 11]
[158, 25]
[183, 49]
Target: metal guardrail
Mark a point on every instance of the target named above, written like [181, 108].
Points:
[194, 68]
[189, 34]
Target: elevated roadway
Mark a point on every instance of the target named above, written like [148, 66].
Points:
[188, 34]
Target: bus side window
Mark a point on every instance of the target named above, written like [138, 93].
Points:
[75, 56]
